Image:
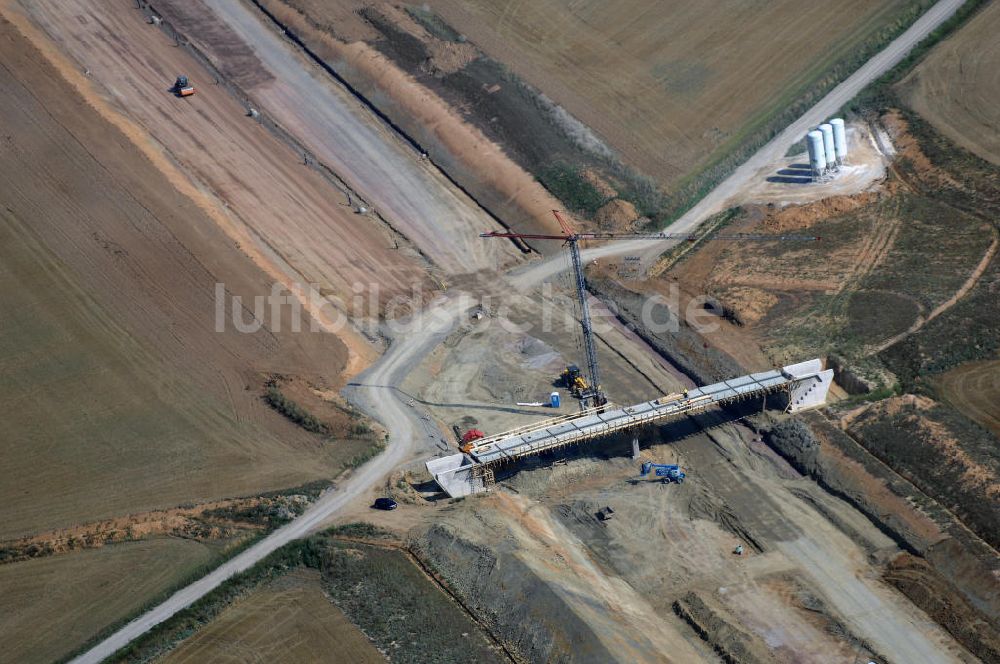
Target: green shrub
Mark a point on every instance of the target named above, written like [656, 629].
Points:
[294, 412]
[566, 183]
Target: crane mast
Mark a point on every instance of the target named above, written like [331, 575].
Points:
[594, 388]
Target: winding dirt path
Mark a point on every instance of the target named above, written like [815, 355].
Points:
[969, 284]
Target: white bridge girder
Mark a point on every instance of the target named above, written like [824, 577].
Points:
[807, 384]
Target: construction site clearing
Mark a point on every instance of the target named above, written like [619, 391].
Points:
[738, 515]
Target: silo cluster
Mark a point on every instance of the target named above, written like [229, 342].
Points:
[827, 145]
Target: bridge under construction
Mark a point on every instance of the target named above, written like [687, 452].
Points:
[806, 384]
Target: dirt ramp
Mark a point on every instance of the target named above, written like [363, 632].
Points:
[733, 645]
[916, 579]
[526, 614]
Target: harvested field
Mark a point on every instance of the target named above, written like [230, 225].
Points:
[288, 620]
[974, 390]
[120, 395]
[957, 85]
[655, 82]
[564, 91]
[281, 608]
[50, 607]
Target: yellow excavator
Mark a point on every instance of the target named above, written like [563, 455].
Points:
[574, 381]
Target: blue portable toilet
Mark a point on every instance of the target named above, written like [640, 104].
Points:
[554, 400]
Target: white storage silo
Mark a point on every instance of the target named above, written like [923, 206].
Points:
[839, 139]
[829, 150]
[817, 153]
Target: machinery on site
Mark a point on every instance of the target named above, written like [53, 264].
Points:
[669, 472]
[469, 440]
[590, 393]
[182, 87]
[573, 380]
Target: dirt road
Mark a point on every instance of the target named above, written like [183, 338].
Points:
[758, 166]
[969, 284]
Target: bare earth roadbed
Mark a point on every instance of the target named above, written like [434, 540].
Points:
[294, 214]
[412, 195]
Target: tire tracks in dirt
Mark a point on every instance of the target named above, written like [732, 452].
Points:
[969, 284]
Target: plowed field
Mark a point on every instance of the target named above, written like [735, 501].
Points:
[957, 86]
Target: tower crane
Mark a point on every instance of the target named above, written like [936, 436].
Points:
[591, 394]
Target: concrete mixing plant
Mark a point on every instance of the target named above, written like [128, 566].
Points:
[827, 146]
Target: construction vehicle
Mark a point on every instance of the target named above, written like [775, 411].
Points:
[591, 395]
[573, 380]
[182, 87]
[469, 440]
[669, 472]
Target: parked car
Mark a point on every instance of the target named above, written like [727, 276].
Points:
[385, 504]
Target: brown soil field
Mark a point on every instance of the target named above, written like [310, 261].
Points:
[957, 85]
[119, 394]
[671, 88]
[51, 606]
[289, 620]
[974, 389]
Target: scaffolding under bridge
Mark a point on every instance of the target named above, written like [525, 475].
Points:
[806, 383]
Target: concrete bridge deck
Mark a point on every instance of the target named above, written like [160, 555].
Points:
[461, 474]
